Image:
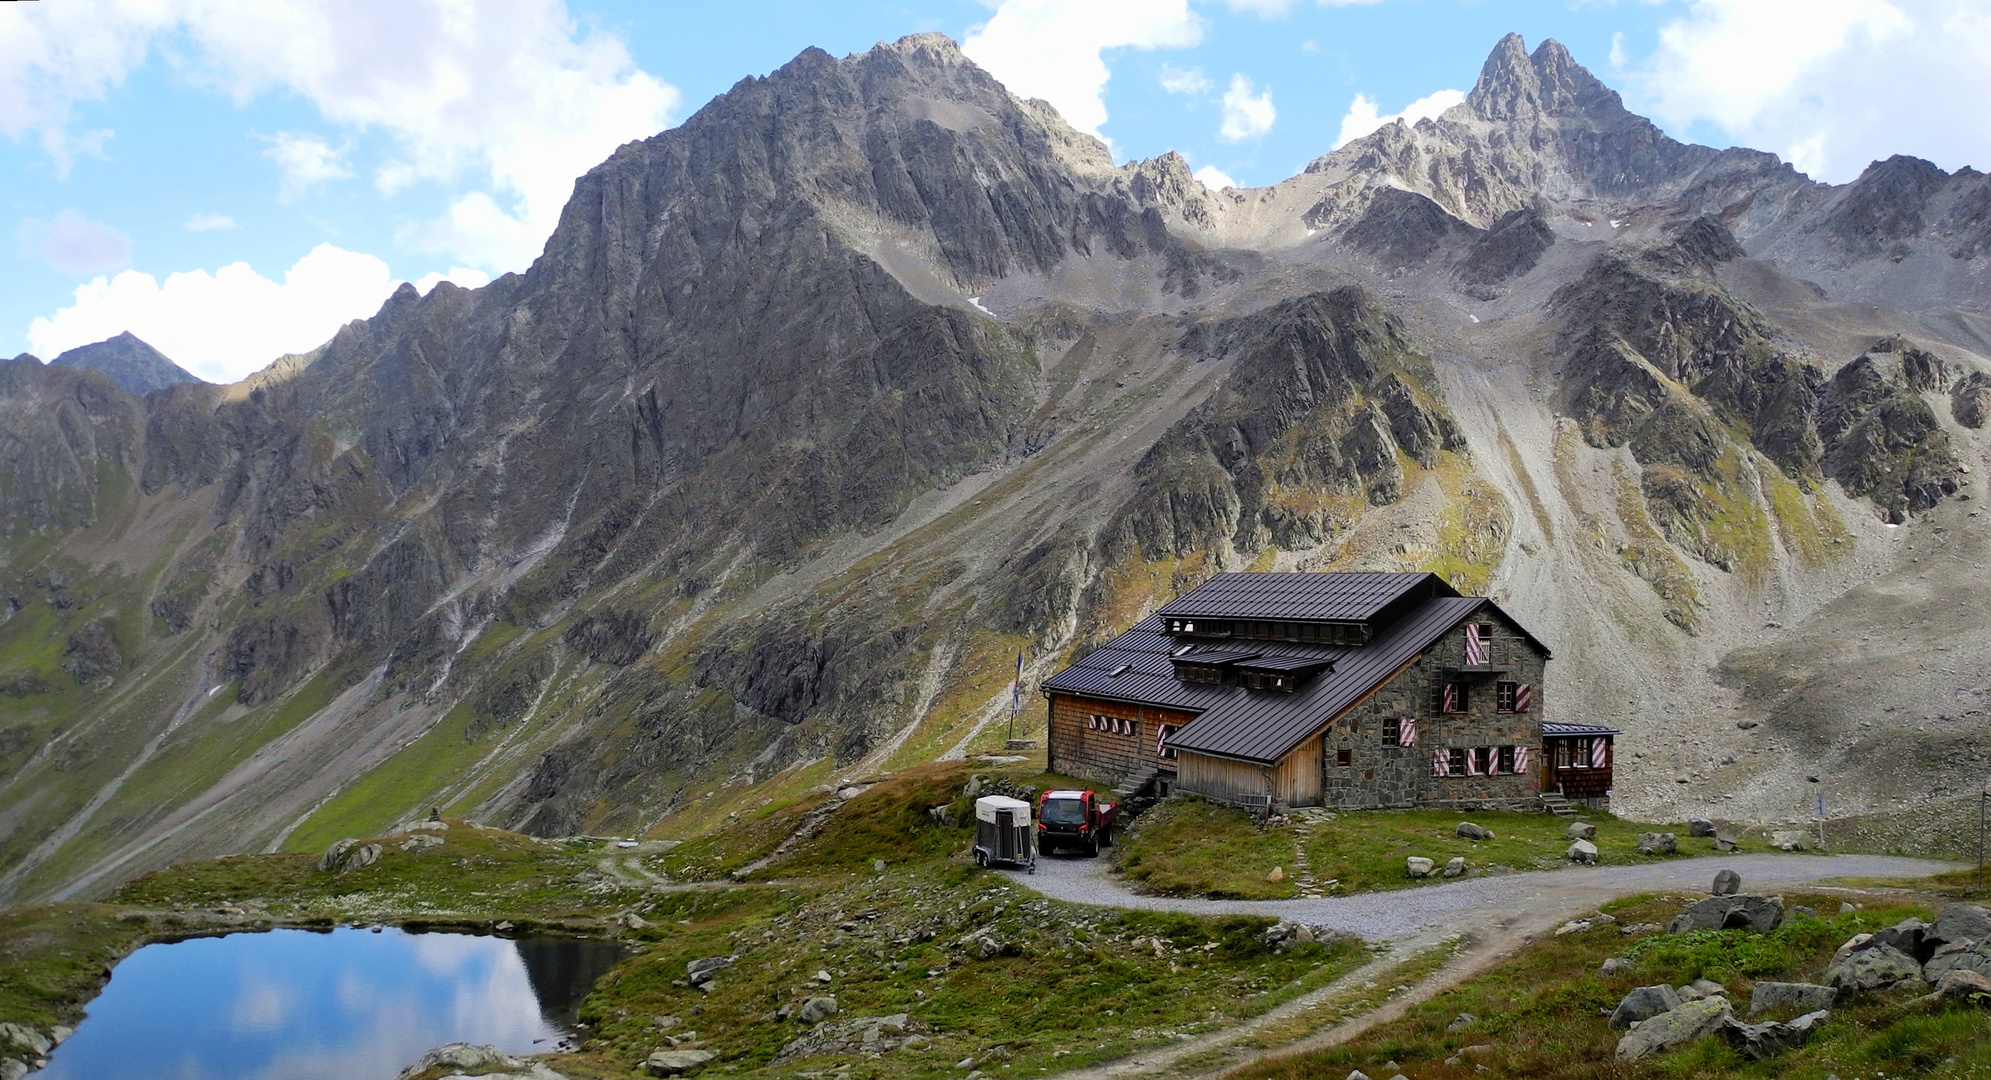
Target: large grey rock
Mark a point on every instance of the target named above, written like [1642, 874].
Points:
[677, 1062]
[1417, 866]
[1874, 968]
[1669, 1030]
[336, 854]
[12, 1069]
[1911, 936]
[1962, 922]
[467, 1059]
[1455, 866]
[705, 969]
[1958, 956]
[817, 1009]
[362, 856]
[1644, 1003]
[24, 1040]
[1726, 883]
[1957, 985]
[1470, 831]
[1790, 840]
[1700, 827]
[1657, 843]
[1805, 997]
[1580, 830]
[1760, 1042]
[1758, 913]
[1615, 966]
[1582, 851]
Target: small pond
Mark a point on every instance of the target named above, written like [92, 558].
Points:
[346, 1005]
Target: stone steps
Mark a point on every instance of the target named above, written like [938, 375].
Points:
[1555, 804]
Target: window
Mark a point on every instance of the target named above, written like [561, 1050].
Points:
[1199, 673]
[1503, 696]
[1260, 680]
[1392, 731]
[1115, 725]
[1344, 758]
[1579, 753]
[1458, 761]
[1453, 697]
[1506, 763]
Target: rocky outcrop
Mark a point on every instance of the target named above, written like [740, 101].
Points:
[611, 637]
[266, 654]
[1882, 439]
[91, 653]
[1402, 228]
[1509, 248]
[1970, 399]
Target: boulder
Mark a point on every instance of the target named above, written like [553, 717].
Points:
[1469, 831]
[24, 1040]
[1417, 866]
[421, 842]
[705, 969]
[335, 854]
[1726, 883]
[1644, 1003]
[1806, 997]
[1725, 841]
[1799, 911]
[1615, 966]
[1583, 851]
[363, 855]
[481, 1061]
[1460, 1023]
[1657, 843]
[1580, 830]
[1455, 866]
[1790, 840]
[1701, 988]
[11, 1069]
[677, 1062]
[1910, 936]
[1700, 827]
[1678, 1027]
[1873, 968]
[1277, 875]
[1955, 956]
[1760, 914]
[1760, 1042]
[817, 1009]
[1962, 922]
[1958, 985]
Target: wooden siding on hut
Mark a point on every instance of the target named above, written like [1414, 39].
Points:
[1078, 748]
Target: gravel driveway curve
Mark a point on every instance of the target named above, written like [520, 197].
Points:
[1469, 901]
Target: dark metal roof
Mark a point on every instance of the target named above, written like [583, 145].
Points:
[1341, 597]
[1551, 728]
[1255, 725]
[1283, 663]
[1202, 655]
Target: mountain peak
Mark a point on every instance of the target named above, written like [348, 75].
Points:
[1514, 85]
[135, 366]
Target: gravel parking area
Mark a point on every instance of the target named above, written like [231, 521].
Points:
[1462, 903]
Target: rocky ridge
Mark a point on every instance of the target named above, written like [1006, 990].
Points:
[820, 406]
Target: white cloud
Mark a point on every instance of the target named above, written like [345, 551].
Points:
[1847, 81]
[1265, 9]
[263, 319]
[1362, 118]
[511, 95]
[1190, 81]
[1214, 178]
[1247, 115]
[209, 223]
[1051, 49]
[305, 161]
[73, 244]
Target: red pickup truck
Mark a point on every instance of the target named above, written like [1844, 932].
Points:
[1075, 819]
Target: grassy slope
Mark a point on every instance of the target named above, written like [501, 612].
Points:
[1538, 1015]
[1191, 848]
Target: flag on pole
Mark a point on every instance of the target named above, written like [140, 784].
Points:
[1016, 691]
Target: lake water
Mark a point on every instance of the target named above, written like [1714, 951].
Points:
[348, 1005]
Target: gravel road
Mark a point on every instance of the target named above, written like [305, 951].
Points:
[1469, 901]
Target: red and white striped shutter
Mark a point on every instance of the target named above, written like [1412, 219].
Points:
[1451, 697]
[1524, 697]
[1441, 763]
[1408, 735]
[1475, 646]
[1092, 721]
[1472, 761]
[1521, 759]
[1598, 749]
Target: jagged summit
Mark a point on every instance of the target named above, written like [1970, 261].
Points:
[135, 366]
[1514, 85]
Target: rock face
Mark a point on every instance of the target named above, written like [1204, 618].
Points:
[1873, 968]
[136, 367]
[709, 487]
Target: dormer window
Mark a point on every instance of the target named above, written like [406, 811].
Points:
[1263, 680]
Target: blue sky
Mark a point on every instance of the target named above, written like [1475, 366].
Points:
[232, 185]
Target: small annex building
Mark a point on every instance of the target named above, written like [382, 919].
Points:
[1348, 690]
